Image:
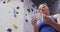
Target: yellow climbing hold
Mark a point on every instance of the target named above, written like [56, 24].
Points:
[15, 26]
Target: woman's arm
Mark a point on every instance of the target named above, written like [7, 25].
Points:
[36, 28]
[53, 24]
[34, 22]
[57, 16]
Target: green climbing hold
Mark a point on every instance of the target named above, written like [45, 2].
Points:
[33, 5]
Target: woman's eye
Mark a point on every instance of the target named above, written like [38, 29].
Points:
[43, 7]
[40, 9]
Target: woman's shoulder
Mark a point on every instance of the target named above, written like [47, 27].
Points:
[56, 15]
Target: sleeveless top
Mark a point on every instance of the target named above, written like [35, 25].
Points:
[43, 27]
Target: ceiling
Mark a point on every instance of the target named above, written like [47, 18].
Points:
[49, 2]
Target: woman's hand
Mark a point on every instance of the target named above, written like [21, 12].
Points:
[47, 20]
[53, 24]
[34, 21]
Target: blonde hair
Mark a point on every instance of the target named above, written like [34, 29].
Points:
[41, 5]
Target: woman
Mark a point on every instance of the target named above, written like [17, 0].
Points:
[48, 24]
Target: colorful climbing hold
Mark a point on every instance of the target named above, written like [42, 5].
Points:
[16, 12]
[15, 26]
[26, 20]
[9, 30]
[28, 10]
[32, 10]
[14, 15]
[4, 2]
[18, 7]
[33, 5]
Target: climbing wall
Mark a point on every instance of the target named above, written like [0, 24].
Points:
[11, 16]
[16, 15]
[30, 12]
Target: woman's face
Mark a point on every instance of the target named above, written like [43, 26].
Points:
[44, 9]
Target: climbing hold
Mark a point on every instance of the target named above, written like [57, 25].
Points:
[26, 20]
[32, 10]
[15, 26]
[9, 30]
[33, 5]
[28, 10]
[16, 12]
[14, 15]
[18, 7]
[4, 2]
